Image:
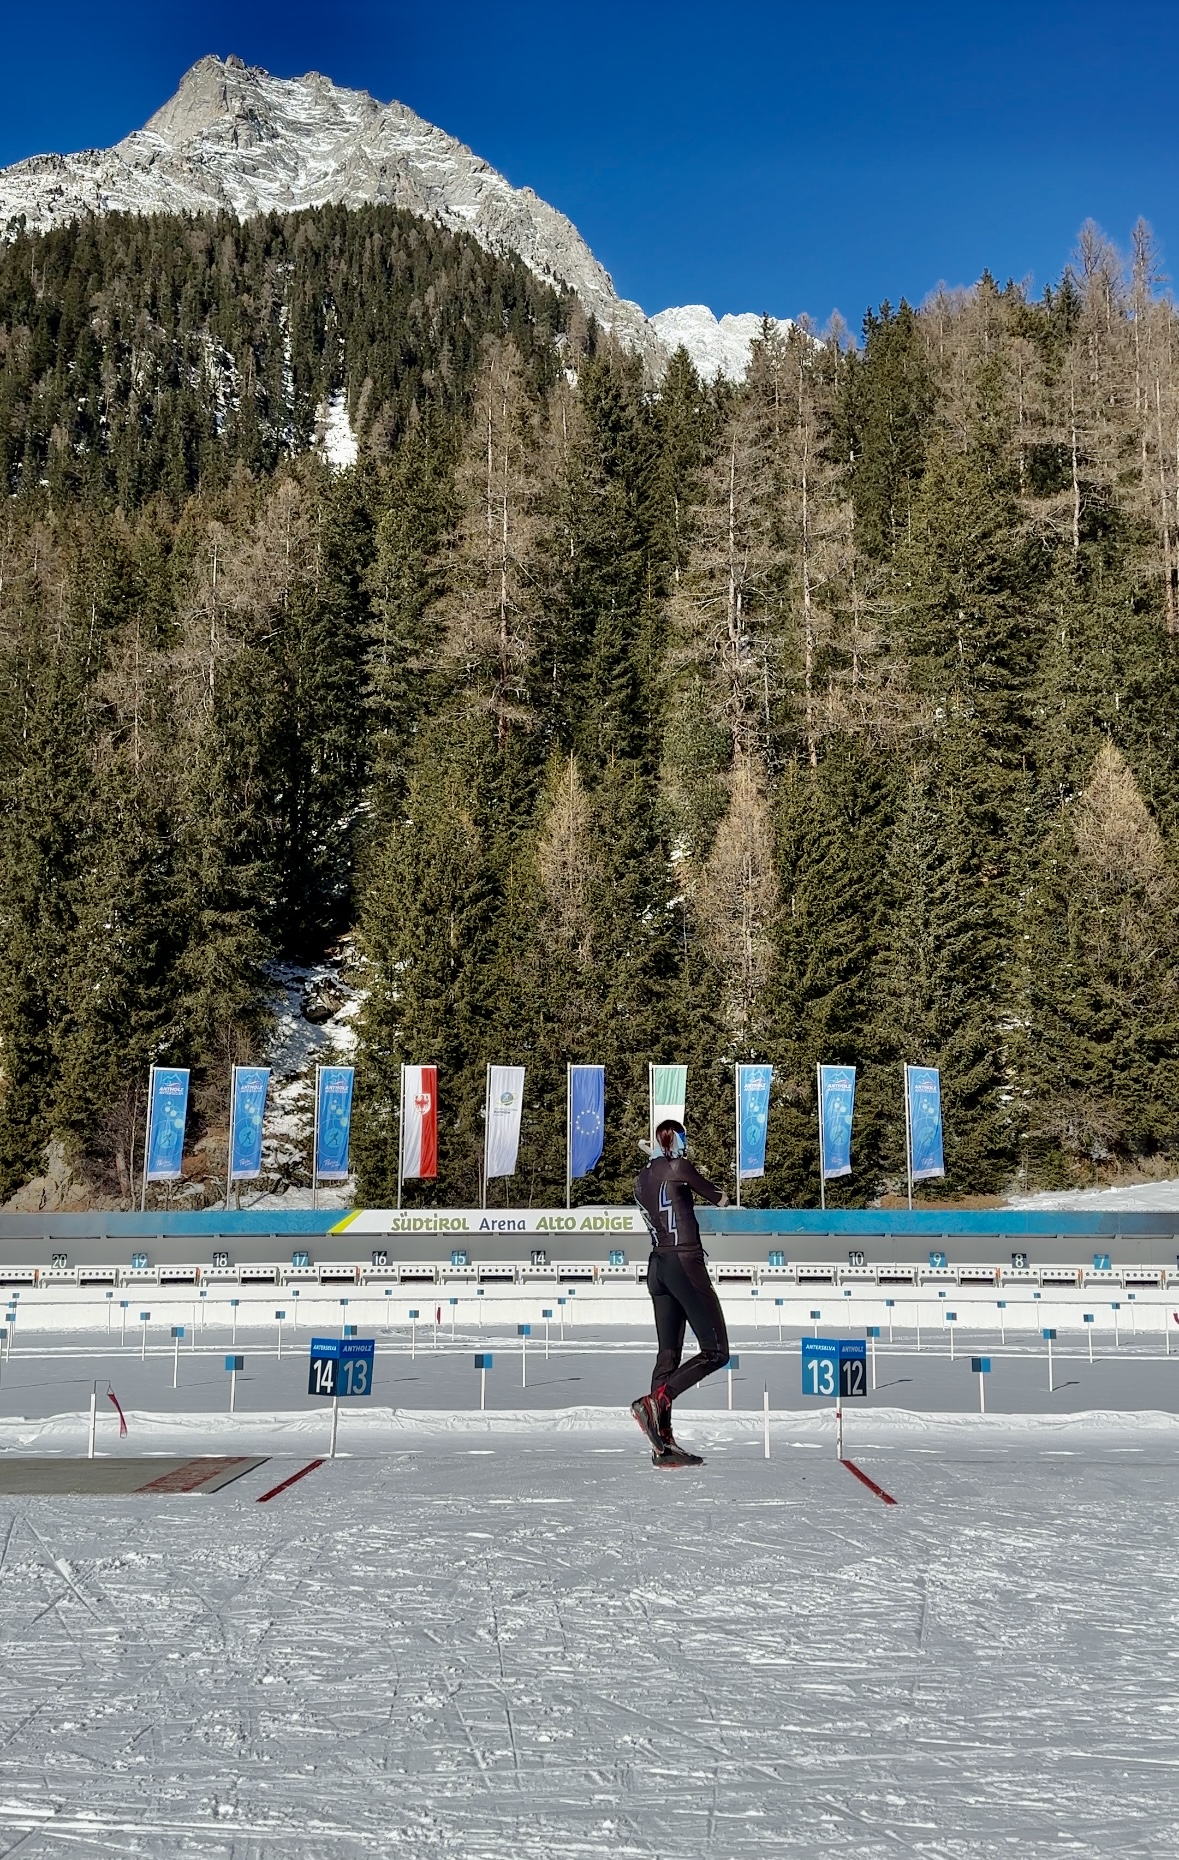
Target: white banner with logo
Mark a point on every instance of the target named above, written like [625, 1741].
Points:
[505, 1101]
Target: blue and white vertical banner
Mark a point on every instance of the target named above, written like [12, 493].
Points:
[753, 1111]
[246, 1109]
[167, 1115]
[837, 1101]
[333, 1122]
[923, 1090]
[587, 1118]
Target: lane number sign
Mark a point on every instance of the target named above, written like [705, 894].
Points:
[341, 1366]
[833, 1367]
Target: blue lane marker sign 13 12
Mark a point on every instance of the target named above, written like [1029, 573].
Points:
[835, 1366]
[341, 1366]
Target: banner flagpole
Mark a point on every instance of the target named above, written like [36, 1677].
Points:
[400, 1134]
[737, 1123]
[232, 1120]
[822, 1154]
[486, 1128]
[151, 1099]
[315, 1145]
[569, 1133]
[908, 1137]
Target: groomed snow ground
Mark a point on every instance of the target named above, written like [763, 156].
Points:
[506, 1637]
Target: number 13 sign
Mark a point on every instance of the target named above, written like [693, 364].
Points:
[834, 1368]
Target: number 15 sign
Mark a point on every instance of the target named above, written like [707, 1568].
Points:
[834, 1368]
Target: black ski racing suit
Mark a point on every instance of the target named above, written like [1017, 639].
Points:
[677, 1275]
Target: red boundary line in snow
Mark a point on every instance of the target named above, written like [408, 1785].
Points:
[870, 1483]
[293, 1480]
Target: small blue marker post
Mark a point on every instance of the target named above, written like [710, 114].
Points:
[483, 1363]
[478, 1306]
[1087, 1321]
[1049, 1337]
[295, 1318]
[388, 1307]
[280, 1319]
[981, 1365]
[848, 1309]
[343, 1307]
[873, 1333]
[1131, 1298]
[453, 1315]
[734, 1362]
[177, 1334]
[1115, 1307]
[233, 1364]
[889, 1304]
[234, 1303]
[144, 1319]
[547, 1316]
[815, 1316]
[110, 1305]
[779, 1302]
[1002, 1304]
[204, 1297]
[951, 1320]
[753, 1293]
[523, 1331]
[413, 1334]
[561, 1317]
[123, 1304]
[3, 1342]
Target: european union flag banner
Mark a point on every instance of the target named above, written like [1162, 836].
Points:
[753, 1101]
[167, 1115]
[837, 1099]
[333, 1087]
[250, 1086]
[587, 1116]
[924, 1087]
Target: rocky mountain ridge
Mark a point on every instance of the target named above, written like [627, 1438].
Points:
[236, 139]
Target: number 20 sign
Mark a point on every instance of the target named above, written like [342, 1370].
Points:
[341, 1366]
[833, 1367]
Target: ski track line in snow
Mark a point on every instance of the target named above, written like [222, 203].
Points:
[535, 1653]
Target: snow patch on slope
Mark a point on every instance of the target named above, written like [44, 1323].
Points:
[337, 441]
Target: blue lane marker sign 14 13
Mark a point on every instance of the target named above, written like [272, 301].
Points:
[341, 1366]
[835, 1366]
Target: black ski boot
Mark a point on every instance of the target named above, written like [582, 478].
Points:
[673, 1456]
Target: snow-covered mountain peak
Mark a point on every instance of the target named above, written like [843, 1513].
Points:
[235, 138]
[717, 346]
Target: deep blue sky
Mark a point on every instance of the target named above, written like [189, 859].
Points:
[779, 158]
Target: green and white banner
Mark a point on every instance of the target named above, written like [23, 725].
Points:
[669, 1092]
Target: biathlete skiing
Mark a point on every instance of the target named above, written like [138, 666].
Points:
[681, 1290]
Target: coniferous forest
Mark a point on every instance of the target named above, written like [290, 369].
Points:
[828, 717]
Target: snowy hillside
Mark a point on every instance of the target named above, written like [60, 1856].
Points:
[237, 139]
[716, 346]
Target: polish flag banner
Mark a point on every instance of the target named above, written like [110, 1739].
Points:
[419, 1122]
